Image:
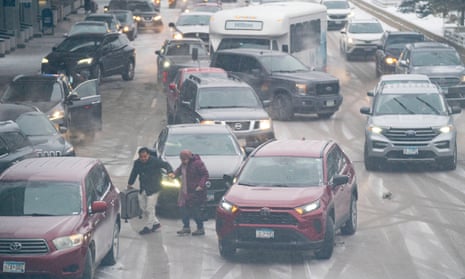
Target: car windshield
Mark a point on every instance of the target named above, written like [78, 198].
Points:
[122, 17]
[336, 4]
[185, 49]
[366, 27]
[80, 44]
[88, 28]
[35, 124]
[139, 6]
[202, 144]
[189, 19]
[39, 198]
[227, 97]
[435, 58]
[401, 41]
[281, 171]
[33, 91]
[282, 63]
[410, 104]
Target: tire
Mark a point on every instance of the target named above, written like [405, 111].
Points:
[325, 115]
[112, 255]
[281, 107]
[326, 251]
[350, 226]
[449, 163]
[226, 249]
[89, 271]
[132, 35]
[129, 71]
[371, 164]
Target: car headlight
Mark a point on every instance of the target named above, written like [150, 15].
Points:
[462, 79]
[136, 18]
[304, 209]
[301, 88]
[375, 129]
[446, 129]
[350, 40]
[68, 241]
[126, 29]
[87, 61]
[157, 18]
[390, 60]
[177, 36]
[44, 60]
[166, 181]
[166, 64]
[208, 122]
[56, 114]
[227, 206]
[265, 124]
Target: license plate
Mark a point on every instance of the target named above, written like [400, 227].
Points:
[210, 196]
[14, 267]
[330, 103]
[368, 49]
[264, 233]
[337, 22]
[410, 151]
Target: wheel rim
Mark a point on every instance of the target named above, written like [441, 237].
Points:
[354, 213]
[131, 70]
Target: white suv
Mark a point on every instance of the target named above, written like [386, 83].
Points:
[361, 37]
[339, 12]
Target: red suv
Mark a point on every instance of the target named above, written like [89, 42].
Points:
[59, 216]
[289, 194]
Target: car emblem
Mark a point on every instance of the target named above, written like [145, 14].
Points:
[265, 212]
[410, 133]
[329, 88]
[208, 184]
[237, 126]
[15, 247]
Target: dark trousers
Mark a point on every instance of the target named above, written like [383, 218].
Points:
[194, 212]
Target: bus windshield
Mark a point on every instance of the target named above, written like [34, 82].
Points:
[229, 43]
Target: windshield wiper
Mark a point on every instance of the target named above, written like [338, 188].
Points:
[279, 185]
[39, 214]
[403, 106]
[429, 105]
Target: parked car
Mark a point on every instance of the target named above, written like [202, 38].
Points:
[77, 108]
[48, 141]
[14, 145]
[178, 53]
[339, 12]
[192, 25]
[289, 194]
[360, 37]
[392, 44]
[88, 26]
[283, 80]
[110, 19]
[146, 12]
[398, 78]
[92, 56]
[128, 24]
[223, 101]
[410, 123]
[219, 149]
[60, 218]
[440, 62]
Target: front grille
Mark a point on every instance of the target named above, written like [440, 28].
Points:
[23, 246]
[446, 82]
[49, 154]
[239, 125]
[415, 135]
[327, 88]
[216, 184]
[273, 218]
[338, 16]
[203, 36]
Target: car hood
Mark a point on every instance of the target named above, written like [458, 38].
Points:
[278, 197]
[306, 76]
[65, 58]
[410, 121]
[338, 11]
[217, 166]
[433, 71]
[193, 28]
[394, 51]
[366, 37]
[50, 143]
[233, 114]
[38, 226]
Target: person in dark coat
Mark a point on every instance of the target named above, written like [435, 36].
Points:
[149, 169]
[193, 193]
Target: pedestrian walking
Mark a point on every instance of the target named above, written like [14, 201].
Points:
[193, 193]
[149, 169]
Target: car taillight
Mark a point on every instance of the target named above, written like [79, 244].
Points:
[165, 77]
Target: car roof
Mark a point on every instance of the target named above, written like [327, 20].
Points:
[50, 168]
[402, 77]
[35, 77]
[90, 22]
[293, 148]
[13, 111]
[196, 128]
[402, 33]
[427, 45]
[410, 88]
[202, 70]
[218, 82]
[253, 51]
[363, 20]
[184, 40]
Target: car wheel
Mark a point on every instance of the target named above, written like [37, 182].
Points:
[88, 272]
[371, 164]
[132, 35]
[449, 163]
[326, 250]
[129, 71]
[227, 250]
[281, 107]
[112, 255]
[325, 115]
[350, 226]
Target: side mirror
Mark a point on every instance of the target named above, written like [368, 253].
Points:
[340, 180]
[172, 25]
[195, 54]
[370, 93]
[98, 206]
[172, 86]
[266, 103]
[403, 63]
[365, 110]
[456, 109]
[62, 129]
[73, 97]
[157, 52]
[285, 48]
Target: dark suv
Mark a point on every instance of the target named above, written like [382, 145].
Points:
[282, 79]
[392, 44]
[14, 145]
[223, 101]
[146, 12]
[289, 194]
[440, 62]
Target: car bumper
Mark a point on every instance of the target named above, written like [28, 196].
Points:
[361, 49]
[336, 23]
[317, 104]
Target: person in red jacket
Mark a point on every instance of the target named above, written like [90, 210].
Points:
[193, 193]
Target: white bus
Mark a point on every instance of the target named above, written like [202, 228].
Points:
[298, 28]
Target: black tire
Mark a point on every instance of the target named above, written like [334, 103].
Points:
[350, 226]
[281, 107]
[132, 35]
[89, 269]
[326, 251]
[227, 250]
[129, 71]
[112, 256]
[326, 115]
[449, 163]
[371, 164]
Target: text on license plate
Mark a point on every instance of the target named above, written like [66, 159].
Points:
[264, 233]
[410, 151]
[14, 267]
[330, 103]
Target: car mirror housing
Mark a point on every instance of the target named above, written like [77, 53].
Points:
[340, 180]
[365, 110]
[98, 206]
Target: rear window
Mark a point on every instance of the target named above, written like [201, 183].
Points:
[15, 140]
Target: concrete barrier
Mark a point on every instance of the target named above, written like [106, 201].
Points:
[2, 48]
[7, 43]
[21, 39]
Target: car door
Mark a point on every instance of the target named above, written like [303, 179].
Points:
[252, 72]
[403, 64]
[185, 108]
[85, 106]
[111, 51]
